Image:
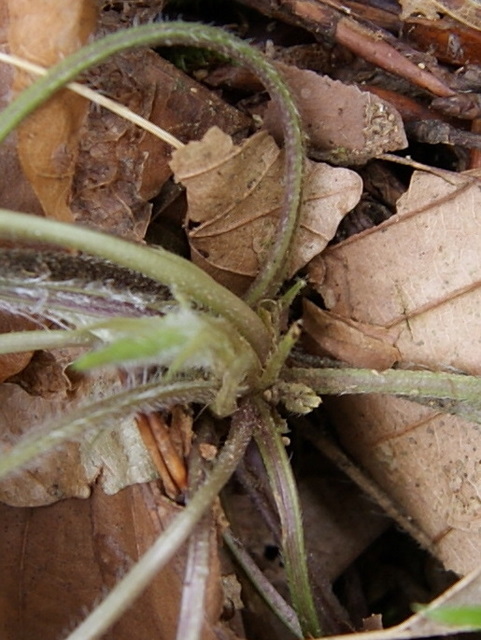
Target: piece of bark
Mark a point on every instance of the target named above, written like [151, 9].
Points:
[371, 43]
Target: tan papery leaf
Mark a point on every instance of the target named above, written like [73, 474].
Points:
[466, 11]
[419, 274]
[235, 195]
[44, 32]
[113, 458]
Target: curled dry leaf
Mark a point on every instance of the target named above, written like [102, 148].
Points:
[13, 363]
[22, 198]
[418, 275]
[466, 11]
[44, 32]
[344, 125]
[113, 458]
[235, 195]
[360, 344]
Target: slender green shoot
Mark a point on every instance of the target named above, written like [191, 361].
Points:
[273, 452]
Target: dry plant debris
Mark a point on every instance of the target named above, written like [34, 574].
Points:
[48, 141]
[421, 287]
[404, 293]
[234, 196]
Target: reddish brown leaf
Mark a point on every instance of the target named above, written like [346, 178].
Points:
[59, 561]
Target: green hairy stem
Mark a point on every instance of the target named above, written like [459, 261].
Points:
[179, 33]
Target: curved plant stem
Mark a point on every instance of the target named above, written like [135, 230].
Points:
[274, 456]
[198, 567]
[264, 588]
[176, 533]
[183, 277]
[105, 412]
[192, 611]
[173, 33]
[99, 99]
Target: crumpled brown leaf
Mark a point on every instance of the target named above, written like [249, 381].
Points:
[44, 32]
[344, 125]
[114, 458]
[235, 194]
[418, 275]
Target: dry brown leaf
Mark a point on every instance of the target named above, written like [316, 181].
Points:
[22, 197]
[466, 11]
[419, 274]
[113, 459]
[359, 344]
[58, 562]
[13, 363]
[44, 32]
[120, 166]
[347, 125]
[235, 194]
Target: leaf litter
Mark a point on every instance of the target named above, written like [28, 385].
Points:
[231, 223]
[394, 294]
[420, 286]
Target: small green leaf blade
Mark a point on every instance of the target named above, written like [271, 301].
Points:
[127, 350]
[465, 616]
